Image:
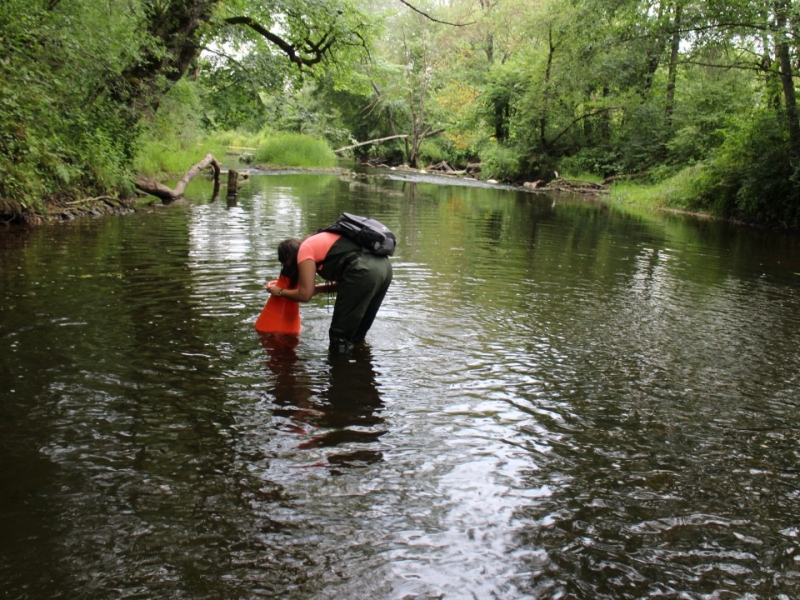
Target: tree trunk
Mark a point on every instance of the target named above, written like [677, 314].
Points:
[605, 120]
[411, 148]
[770, 80]
[155, 188]
[673, 65]
[177, 27]
[543, 118]
[653, 57]
[233, 183]
[789, 96]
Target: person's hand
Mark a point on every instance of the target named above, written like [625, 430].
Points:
[274, 289]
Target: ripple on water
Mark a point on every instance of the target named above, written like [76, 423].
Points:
[557, 401]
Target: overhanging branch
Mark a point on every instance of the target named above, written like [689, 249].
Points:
[316, 50]
[578, 120]
[435, 20]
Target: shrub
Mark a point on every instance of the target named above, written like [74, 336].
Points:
[434, 150]
[499, 162]
[600, 161]
[295, 150]
[751, 176]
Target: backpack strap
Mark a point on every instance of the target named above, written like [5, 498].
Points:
[343, 252]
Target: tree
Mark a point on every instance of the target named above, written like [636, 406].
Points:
[77, 77]
[177, 30]
[783, 34]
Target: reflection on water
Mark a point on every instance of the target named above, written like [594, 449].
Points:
[345, 411]
[557, 400]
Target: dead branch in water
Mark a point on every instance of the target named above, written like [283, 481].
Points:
[561, 184]
[159, 190]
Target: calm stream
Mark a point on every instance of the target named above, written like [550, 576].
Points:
[558, 400]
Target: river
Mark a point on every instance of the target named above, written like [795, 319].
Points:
[559, 399]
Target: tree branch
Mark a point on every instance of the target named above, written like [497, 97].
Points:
[717, 66]
[578, 120]
[391, 137]
[427, 16]
[427, 133]
[316, 50]
[432, 133]
[153, 187]
[709, 27]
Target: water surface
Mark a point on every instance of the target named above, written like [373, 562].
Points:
[558, 400]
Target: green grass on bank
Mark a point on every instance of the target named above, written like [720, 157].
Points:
[680, 191]
[295, 150]
[162, 158]
[590, 177]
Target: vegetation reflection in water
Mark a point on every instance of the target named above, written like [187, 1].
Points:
[558, 400]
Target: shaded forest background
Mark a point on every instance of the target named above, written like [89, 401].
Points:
[694, 102]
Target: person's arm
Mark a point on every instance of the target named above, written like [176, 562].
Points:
[307, 276]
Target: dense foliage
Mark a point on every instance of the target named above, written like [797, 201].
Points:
[82, 83]
[697, 99]
[60, 133]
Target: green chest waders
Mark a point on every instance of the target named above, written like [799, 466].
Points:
[363, 281]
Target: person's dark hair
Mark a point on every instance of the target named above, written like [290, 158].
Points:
[287, 255]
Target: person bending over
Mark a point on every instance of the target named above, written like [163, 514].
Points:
[359, 278]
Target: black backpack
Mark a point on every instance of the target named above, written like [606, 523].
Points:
[368, 233]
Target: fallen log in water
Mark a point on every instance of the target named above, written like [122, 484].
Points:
[159, 190]
[575, 186]
[443, 166]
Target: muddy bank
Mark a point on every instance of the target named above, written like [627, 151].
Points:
[68, 210]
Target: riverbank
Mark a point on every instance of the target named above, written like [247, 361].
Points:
[612, 190]
[617, 192]
[624, 192]
[69, 210]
